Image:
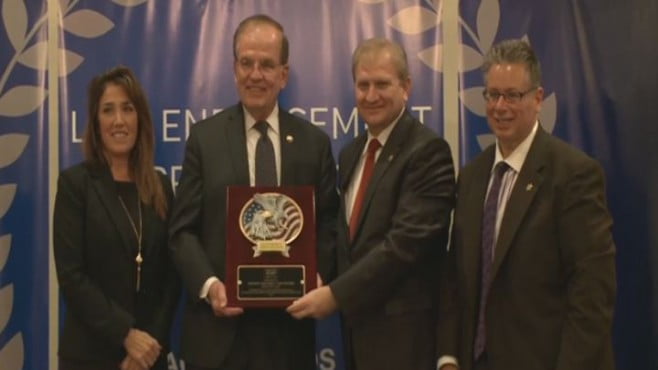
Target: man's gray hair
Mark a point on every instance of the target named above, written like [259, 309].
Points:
[515, 51]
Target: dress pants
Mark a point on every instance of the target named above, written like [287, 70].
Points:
[70, 364]
[270, 340]
[481, 363]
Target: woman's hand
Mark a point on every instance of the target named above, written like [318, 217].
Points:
[142, 348]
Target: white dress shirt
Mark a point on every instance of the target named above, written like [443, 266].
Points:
[252, 135]
[353, 187]
[515, 161]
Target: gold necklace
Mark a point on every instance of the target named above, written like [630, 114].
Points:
[138, 235]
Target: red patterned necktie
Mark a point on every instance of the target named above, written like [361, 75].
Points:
[368, 167]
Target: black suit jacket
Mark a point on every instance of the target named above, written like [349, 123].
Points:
[551, 300]
[216, 157]
[95, 251]
[387, 283]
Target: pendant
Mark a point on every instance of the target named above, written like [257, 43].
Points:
[139, 261]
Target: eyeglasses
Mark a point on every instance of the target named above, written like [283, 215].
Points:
[511, 97]
[265, 66]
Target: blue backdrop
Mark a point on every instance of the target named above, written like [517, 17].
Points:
[23, 187]
[598, 58]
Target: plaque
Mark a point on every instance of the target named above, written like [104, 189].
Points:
[270, 245]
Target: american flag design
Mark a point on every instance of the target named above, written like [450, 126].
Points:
[271, 216]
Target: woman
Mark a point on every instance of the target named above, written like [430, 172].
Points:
[110, 237]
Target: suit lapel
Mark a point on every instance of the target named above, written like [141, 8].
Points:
[351, 158]
[236, 141]
[389, 152]
[289, 149]
[104, 186]
[526, 186]
[471, 200]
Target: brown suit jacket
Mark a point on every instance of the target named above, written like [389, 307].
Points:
[388, 275]
[552, 295]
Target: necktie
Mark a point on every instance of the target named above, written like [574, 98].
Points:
[265, 164]
[488, 232]
[365, 180]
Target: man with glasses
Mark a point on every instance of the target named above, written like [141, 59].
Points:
[252, 143]
[533, 285]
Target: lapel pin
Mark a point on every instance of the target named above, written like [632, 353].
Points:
[289, 138]
[529, 187]
[390, 157]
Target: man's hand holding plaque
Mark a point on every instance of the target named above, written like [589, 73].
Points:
[218, 301]
[271, 245]
[318, 303]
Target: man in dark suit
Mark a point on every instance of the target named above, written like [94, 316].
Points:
[397, 183]
[534, 286]
[221, 151]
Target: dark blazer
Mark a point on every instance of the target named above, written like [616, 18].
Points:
[552, 295]
[387, 284]
[95, 251]
[215, 157]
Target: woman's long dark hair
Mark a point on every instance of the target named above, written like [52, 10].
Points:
[141, 163]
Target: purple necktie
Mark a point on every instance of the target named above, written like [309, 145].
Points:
[488, 232]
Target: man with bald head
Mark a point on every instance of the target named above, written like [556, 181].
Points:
[396, 183]
[251, 143]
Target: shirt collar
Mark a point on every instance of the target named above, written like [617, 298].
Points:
[272, 119]
[518, 155]
[383, 136]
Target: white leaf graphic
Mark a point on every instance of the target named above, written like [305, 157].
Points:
[485, 140]
[12, 354]
[11, 147]
[87, 23]
[473, 100]
[6, 303]
[487, 23]
[470, 59]
[5, 245]
[68, 61]
[21, 100]
[7, 193]
[129, 3]
[548, 113]
[414, 20]
[35, 56]
[14, 16]
[363, 1]
[432, 57]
